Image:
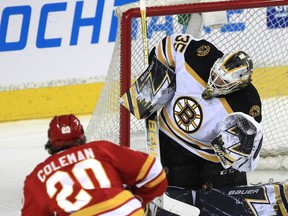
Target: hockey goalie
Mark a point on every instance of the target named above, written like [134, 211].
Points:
[210, 132]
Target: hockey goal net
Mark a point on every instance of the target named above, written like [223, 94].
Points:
[259, 27]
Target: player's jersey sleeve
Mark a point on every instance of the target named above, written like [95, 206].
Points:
[166, 50]
[139, 170]
[32, 206]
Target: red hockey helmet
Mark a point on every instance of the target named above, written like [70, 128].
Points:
[65, 131]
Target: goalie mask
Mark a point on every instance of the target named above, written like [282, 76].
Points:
[64, 132]
[228, 74]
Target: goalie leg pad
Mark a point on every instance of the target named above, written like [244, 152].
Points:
[269, 199]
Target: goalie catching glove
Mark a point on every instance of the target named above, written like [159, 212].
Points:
[239, 142]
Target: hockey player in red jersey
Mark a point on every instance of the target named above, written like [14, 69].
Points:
[96, 178]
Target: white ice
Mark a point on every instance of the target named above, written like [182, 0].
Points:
[22, 148]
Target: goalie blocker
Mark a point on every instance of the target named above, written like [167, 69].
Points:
[149, 93]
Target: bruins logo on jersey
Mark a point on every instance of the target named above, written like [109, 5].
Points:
[188, 114]
[203, 50]
[254, 111]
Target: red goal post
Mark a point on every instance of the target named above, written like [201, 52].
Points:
[259, 27]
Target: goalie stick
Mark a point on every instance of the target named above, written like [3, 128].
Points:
[175, 206]
[144, 30]
[151, 121]
[152, 127]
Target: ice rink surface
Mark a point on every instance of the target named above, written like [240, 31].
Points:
[22, 148]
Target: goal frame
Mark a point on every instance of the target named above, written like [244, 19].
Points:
[125, 52]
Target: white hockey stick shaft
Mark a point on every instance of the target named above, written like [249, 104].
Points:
[175, 206]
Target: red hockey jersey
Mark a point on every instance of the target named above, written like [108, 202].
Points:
[91, 179]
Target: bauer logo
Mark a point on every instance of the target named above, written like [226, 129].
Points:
[277, 17]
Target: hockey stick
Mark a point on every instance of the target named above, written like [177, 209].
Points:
[144, 30]
[175, 206]
[152, 127]
[151, 121]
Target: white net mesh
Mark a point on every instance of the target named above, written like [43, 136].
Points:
[261, 31]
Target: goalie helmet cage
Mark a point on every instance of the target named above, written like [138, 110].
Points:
[259, 27]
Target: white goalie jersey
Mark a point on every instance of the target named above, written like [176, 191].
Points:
[194, 122]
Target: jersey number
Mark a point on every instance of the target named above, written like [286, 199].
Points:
[181, 43]
[66, 180]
